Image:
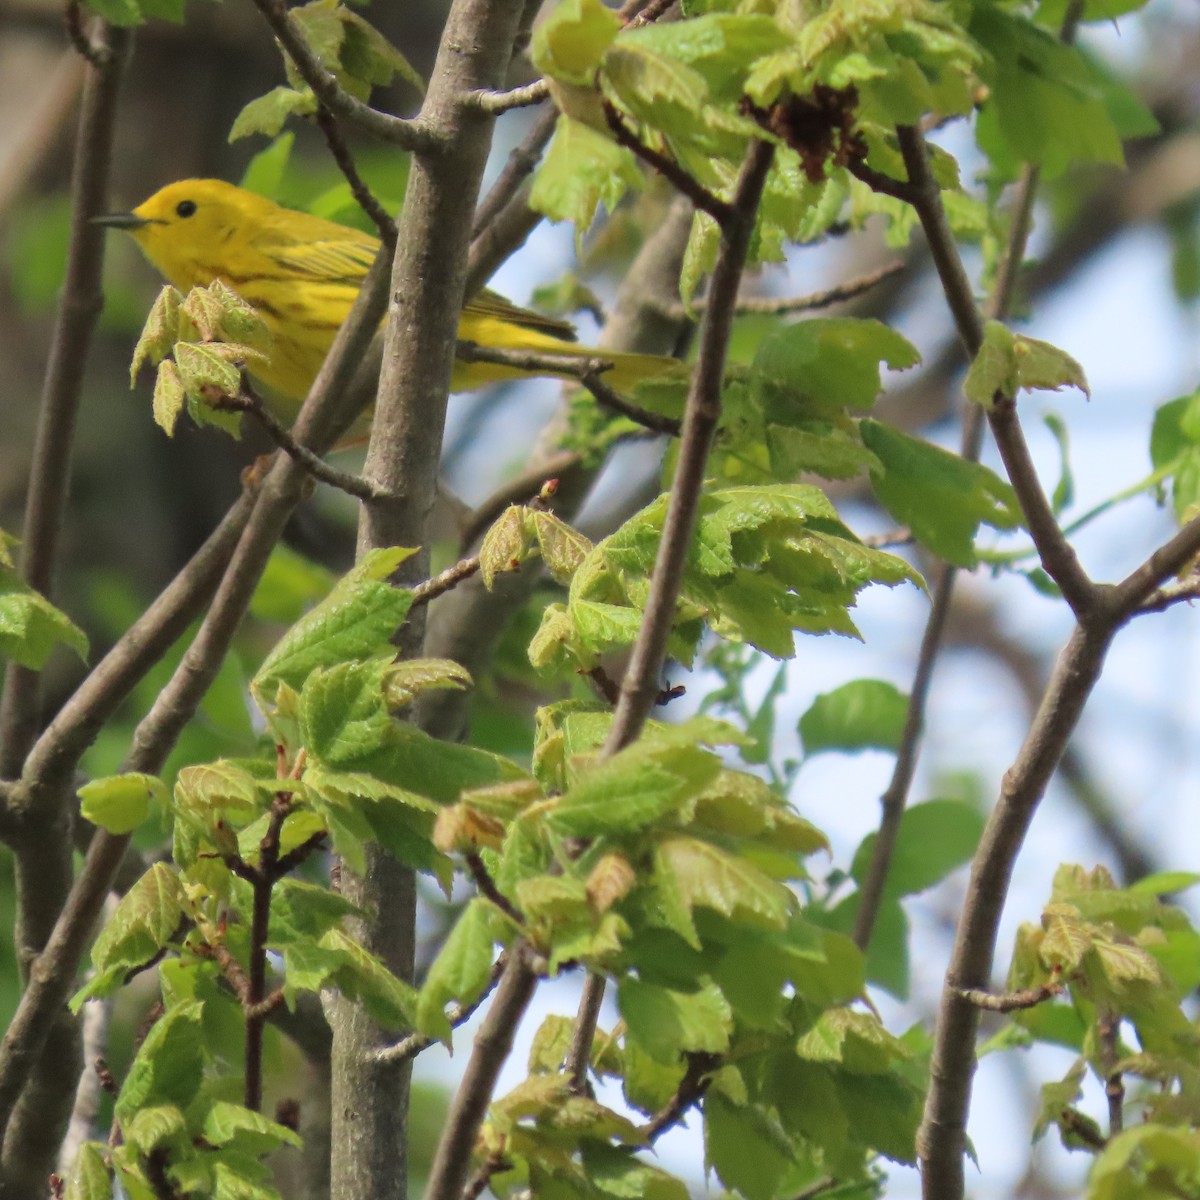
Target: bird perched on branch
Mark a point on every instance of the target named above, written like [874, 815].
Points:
[301, 273]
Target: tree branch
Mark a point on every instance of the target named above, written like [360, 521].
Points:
[75, 321]
[367, 200]
[1057, 556]
[720, 210]
[493, 1045]
[495, 103]
[639, 686]
[412, 135]
[459, 1014]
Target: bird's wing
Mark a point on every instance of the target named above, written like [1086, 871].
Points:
[491, 304]
[332, 260]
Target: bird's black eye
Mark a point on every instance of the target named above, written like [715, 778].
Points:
[185, 208]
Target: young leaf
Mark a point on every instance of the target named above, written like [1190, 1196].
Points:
[935, 838]
[666, 1023]
[570, 43]
[582, 169]
[941, 497]
[89, 1178]
[865, 714]
[121, 803]
[356, 620]
[461, 970]
[31, 627]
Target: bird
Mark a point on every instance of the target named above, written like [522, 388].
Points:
[301, 274]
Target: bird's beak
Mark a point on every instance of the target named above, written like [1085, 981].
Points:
[120, 220]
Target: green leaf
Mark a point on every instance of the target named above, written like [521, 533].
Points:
[169, 1065]
[356, 620]
[153, 1125]
[854, 1040]
[461, 970]
[631, 789]
[1046, 103]
[865, 714]
[940, 496]
[993, 370]
[159, 334]
[89, 1178]
[409, 677]
[827, 363]
[31, 627]
[690, 872]
[934, 839]
[268, 114]
[148, 914]
[1175, 441]
[741, 1142]
[581, 170]
[205, 373]
[389, 1000]
[169, 397]
[570, 43]
[264, 173]
[302, 910]
[118, 12]
[250, 1131]
[120, 803]
[667, 1023]
[342, 712]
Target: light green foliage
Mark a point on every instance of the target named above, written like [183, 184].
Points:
[866, 714]
[1008, 362]
[941, 498]
[1125, 960]
[358, 56]
[677, 868]
[1048, 104]
[30, 626]
[121, 802]
[766, 562]
[1175, 447]
[199, 345]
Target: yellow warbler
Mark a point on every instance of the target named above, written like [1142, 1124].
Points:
[302, 273]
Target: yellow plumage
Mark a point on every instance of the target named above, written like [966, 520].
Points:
[302, 274]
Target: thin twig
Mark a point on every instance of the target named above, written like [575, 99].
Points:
[1005, 1002]
[412, 135]
[96, 53]
[690, 1091]
[1108, 1029]
[367, 200]
[588, 371]
[52, 761]
[451, 577]
[639, 687]
[488, 889]
[1057, 556]
[482, 1176]
[502, 102]
[877, 181]
[580, 1052]
[720, 210]
[782, 306]
[459, 1014]
[518, 168]
[251, 402]
[493, 1044]
[530, 482]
